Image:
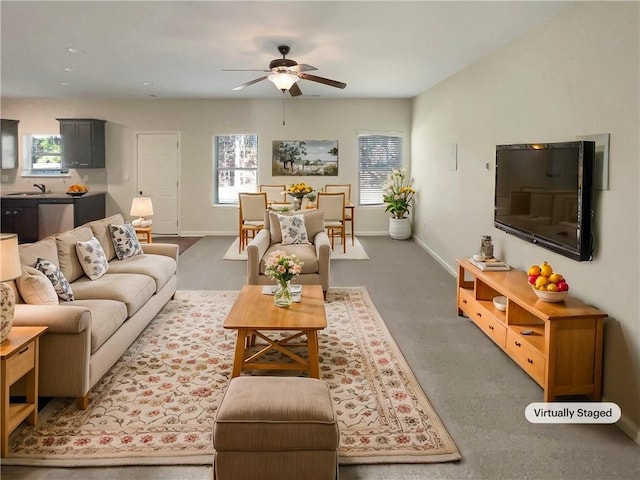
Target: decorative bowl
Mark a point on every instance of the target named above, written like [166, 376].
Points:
[76, 194]
[500, 302]
[550, 297]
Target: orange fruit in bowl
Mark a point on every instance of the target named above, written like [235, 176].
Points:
[545, 269]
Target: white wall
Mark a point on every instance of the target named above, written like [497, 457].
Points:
[576, 75]
[198, 121]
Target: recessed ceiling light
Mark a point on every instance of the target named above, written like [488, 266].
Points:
[147, 84]
[77, 51]
[65, 83]
[68, 69]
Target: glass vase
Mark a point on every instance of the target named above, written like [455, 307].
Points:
[282, 295]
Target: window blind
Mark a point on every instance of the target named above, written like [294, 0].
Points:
[379, 154]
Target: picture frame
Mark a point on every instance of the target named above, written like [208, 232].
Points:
[304, 158]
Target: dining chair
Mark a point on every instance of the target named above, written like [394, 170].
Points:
[251, 207]
[349, 213]
[275, 193]
[332, 205]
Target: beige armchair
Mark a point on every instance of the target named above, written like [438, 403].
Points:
[316, 256]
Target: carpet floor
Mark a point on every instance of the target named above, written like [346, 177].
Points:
[183, 242]
[158, 403]
[354, 252]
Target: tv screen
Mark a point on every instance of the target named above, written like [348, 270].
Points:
[543, 195]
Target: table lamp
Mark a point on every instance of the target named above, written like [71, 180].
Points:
[10, 268]
[141, 207]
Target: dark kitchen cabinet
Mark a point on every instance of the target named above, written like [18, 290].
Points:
[9, 141]
[83, 142]
[21, 216]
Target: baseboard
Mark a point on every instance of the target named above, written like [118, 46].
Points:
[435, 256]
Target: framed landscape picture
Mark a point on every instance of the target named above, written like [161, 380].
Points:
[304, 158]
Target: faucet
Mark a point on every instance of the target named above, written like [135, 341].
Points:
[41, 187]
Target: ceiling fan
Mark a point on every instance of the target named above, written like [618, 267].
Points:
[285, 73]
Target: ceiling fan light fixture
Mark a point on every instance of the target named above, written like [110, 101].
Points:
[284, 81]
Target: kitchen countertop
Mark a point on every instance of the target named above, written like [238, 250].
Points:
[51, 197]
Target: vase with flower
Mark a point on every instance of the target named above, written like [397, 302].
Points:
[398, 193]
[282, 267]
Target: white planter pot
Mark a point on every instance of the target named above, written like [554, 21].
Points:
[400, 228]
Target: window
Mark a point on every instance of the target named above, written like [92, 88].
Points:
[236, 166]
[378, 156]
[43, 154]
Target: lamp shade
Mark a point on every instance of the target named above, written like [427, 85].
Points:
[9, 257]
[141, 207]
[284, 81]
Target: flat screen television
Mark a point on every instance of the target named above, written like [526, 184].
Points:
[543, 195]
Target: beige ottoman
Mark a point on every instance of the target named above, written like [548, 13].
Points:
[276, 428]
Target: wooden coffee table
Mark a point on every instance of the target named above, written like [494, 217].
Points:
[253, 314]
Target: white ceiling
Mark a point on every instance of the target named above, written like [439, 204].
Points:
[386, 49]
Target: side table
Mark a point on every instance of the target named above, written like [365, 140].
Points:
[19, 359]
[146, 231]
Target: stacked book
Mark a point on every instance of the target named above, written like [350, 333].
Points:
[490, 265]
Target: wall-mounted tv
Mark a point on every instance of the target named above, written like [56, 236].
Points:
[543, 194]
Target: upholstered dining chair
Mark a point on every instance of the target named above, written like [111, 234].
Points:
[275, 193]
[332, 205]
[346, 189]
[251, 207]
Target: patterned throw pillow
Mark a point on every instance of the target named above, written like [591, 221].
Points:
[92, 258]
[55, 276]
[35, 288]
[293, 229]
[125, 241]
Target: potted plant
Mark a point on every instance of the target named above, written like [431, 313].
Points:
[398, 193]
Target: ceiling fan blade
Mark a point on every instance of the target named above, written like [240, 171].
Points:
[295, 91]
[240, 87]
[243, 70]
[325, 81]
[302, 67]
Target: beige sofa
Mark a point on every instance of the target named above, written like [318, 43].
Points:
[88, 335]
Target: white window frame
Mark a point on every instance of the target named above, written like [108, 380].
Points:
[366, 195]
[30, 167]
[239, 171]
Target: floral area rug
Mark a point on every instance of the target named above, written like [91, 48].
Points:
[158, 403]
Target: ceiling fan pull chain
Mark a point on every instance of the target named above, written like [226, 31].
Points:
[283, 108]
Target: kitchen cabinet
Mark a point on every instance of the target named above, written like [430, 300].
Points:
[9, 149]
[31, 217]
[21, 216]
[83, 142]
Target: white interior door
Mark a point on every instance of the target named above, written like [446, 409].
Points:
[158, 178]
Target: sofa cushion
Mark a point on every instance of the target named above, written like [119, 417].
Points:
[125, 241]
[45, 248]
[92, 258]
[100, 229]
[129, 288]
[158, 267]
[293, 230]
[306, 253]
[57, 279]
[35, 288]
[106, 318]
[313, 222]
[67, 256]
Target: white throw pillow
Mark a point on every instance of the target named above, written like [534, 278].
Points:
[57, 279]
[293, 229]
[125, 241]
[35, 288]
[92, 258]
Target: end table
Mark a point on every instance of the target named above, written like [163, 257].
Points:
[146, 231]
[19, 358]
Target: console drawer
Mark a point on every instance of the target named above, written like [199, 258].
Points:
[21, 362]
[491, 327]
[529, 360]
